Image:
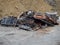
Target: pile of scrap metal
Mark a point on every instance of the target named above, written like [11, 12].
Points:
[31, 20]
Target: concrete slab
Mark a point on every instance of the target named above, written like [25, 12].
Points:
[15, 36]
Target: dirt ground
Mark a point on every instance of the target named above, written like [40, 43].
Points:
[15, 7]
[16, 36]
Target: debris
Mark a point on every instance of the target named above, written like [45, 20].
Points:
[48, 18]
[25, 27]
[53, 17]
[9, 21]
[32, 19]
[42, 19]
[26, 19]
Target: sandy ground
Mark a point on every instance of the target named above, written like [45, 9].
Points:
[16, 36]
